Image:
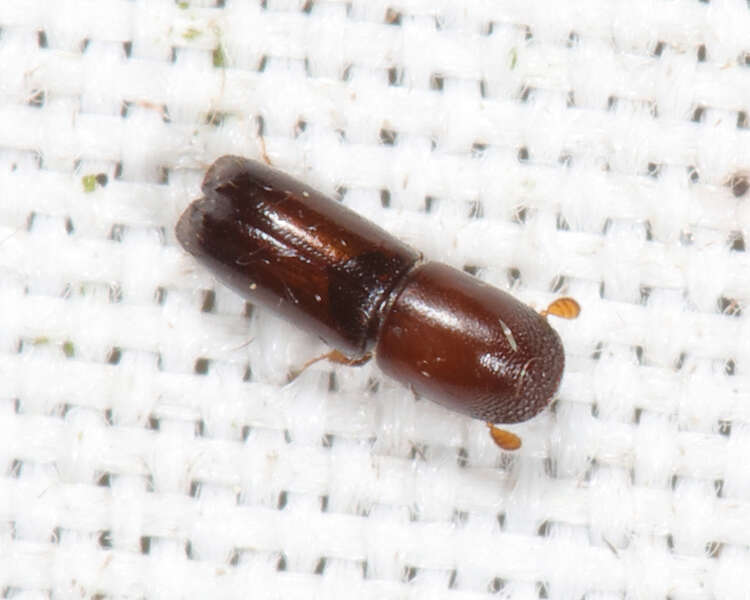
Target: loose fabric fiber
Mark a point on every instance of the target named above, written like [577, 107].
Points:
[152, 444]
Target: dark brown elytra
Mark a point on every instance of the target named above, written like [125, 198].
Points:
[445, 334]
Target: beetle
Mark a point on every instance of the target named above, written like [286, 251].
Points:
[447, 335]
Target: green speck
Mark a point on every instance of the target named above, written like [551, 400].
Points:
[191, 33]
[40, 340]
[215, 118]
[219, 58]
[513, 58]
[89, 183]
[183, 5]
[68, 349]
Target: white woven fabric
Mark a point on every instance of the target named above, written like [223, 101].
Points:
[150, 446]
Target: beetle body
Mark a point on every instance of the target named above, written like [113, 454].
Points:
[452, 338]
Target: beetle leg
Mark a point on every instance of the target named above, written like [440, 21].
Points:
[565, 308]
[335, 357]
[339, 358]
[262, 142]
[503, 438]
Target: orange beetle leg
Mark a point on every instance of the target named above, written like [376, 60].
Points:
[504, 439]
[565, 308]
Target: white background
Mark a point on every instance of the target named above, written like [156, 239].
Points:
[150, 446]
